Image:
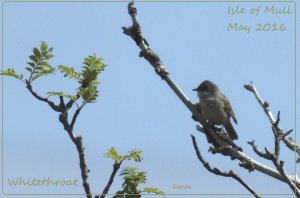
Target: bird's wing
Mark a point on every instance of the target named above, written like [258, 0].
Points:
[228, 108]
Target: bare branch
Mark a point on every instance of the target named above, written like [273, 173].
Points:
[290, 183]
[76, 115]
[135, 33]
[217, 171]
[276, 142]
[289, 142]
[257, 151]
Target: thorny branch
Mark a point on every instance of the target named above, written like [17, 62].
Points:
[278, 136]
[135, 32]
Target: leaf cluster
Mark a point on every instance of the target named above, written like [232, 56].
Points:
[134, 154]
[87, 78]
[38, 65]
[132, 178]
[11, 72]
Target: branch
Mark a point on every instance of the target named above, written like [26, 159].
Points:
[76, 115]
[218, 171]
[63, 118]
[278, 135]
[280, 168]
[71, 102]
[77, 140]
[116, 167]
[289, 142]
[50, 103]
[290, 183]
[83, 167]
[135, 33]
[257, 151]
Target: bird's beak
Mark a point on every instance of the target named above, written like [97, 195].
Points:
[195, 89]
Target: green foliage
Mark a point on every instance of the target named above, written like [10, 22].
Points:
[38, 65]
[11, 72]
[59, 93]
[132, 178]
[112, 153]
[134, 154]
[89, 94]
[69, 72]
[92, 66]
[153, 191]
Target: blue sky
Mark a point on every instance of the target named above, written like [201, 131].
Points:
[136, 109]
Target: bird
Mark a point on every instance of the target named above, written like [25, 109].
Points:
[215, 107]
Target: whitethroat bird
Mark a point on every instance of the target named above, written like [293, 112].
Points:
[215, 107]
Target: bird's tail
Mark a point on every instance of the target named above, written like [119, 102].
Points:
[230, 131]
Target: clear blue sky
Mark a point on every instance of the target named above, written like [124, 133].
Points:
[136, 109]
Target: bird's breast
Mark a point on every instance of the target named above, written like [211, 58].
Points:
[213, 111]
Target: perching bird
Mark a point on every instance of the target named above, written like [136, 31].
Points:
[215, 107]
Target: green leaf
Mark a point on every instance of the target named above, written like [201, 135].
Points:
[39, 68]
[34, 59]
[89, 94]
[153, 191]
[49, 56]
[29, 69]
[44, 46]
[112, 153]
[135, 154]
[59, 93]
[133, 176]
[92, 66]
[31, 64]
[69, 72]
[37, 53]
[44, 64]
[11, 72]
[43, 73]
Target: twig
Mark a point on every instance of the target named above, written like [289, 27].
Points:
[218, 171]
[257, 151]
[280, 167]
[278, 135]
[291, 184]
[135, 33]
[289, 142]
[71, 102]
[76, 115]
